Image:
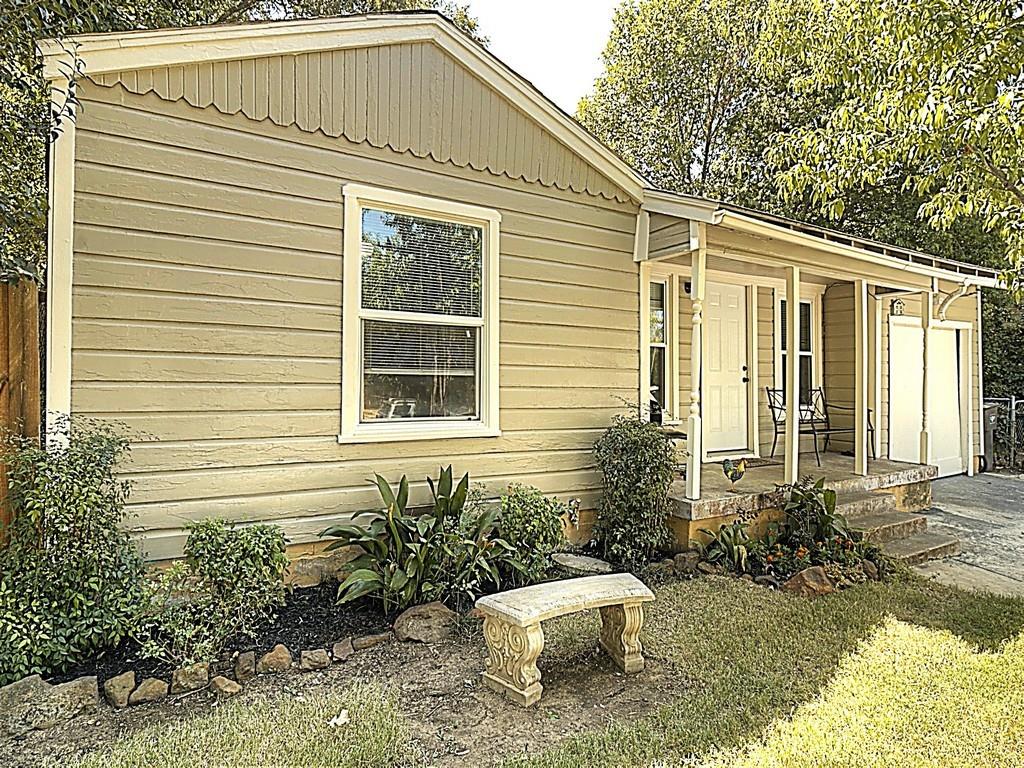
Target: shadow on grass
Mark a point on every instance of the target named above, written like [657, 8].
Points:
[746, 657]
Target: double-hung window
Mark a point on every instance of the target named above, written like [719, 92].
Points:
[420, 317]
[658, 343]
[806, 351]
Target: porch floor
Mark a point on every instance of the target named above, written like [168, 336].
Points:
[757, 490]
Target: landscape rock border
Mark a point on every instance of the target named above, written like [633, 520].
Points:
[34, 704]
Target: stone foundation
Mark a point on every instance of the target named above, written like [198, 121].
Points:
[311, 565]
[913, 497]
[686, 531]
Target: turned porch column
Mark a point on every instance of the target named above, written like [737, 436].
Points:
[694, 444]
[860, 405]
[792, 331]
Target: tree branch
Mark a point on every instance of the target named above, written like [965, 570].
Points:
[998, 173]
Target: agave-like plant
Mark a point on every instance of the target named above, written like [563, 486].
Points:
[729, 547]
[440, 554]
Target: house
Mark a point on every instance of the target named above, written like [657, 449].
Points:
[293, 254]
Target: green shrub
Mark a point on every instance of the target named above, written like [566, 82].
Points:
[445, 553]
[533, 525]
[811, 513]
[636, 460]
[230, 581]
[70, 577]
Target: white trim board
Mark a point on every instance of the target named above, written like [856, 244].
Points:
[60, 221]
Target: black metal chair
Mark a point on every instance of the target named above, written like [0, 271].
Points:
[815, 419]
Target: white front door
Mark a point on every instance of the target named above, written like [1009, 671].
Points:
[944, 406]
[725, 368]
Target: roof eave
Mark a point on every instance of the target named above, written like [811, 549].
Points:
[714, 212]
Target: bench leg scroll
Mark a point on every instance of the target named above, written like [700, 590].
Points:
[512, 660]
[620, 635]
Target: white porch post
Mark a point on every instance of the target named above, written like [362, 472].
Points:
[926, 324]
[792, 331]
[694, 443]
[860, 406]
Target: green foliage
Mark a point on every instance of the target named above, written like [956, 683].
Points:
[929, 99]
[445, 553]
[679, 99]
[534, 525]
[28, 121]
[700, 95]
[728, 548]
[637, 463]
[70, 577]
[230, 581]
[1002, 322]
[811, 534]
[811, 513]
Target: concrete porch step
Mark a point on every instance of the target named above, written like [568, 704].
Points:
[851, 505]
[875, 515]
[921, 547]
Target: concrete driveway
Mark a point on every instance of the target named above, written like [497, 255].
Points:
[987, 513]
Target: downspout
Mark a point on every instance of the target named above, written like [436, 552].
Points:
[947, 302]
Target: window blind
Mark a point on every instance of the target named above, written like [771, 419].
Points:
[408, 348]
[805, 325]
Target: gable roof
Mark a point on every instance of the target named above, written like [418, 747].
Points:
[108, 53]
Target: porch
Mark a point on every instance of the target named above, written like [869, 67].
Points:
[756, 336]
[758, 489]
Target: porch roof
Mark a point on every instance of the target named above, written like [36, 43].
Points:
[715, 212]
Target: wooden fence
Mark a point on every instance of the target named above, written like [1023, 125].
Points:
[20, 406]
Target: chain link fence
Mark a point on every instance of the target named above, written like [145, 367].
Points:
[1007, 431]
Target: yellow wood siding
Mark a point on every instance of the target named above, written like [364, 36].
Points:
[765, 366]
[207, 317]
[839, 363]
[410, 97]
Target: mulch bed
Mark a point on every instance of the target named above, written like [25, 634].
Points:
[310, 618]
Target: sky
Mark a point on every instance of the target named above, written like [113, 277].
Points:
[555, 44]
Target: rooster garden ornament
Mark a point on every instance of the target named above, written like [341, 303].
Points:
[734, 471]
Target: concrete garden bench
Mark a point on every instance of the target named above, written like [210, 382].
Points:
[515, 638]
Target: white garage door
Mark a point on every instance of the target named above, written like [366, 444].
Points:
[944, 406]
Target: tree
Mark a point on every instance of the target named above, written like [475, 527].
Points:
[680, 98]
[929, 99]
[717, 98]
[28, 120]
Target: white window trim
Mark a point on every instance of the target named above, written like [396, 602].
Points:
[670, 281]
[357, 197]
[669, 276]
[814, 298]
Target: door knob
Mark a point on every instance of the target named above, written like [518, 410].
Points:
[746, 379]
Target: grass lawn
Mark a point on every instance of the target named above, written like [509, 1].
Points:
[904, 673]
[281, 731]
[747, 657]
